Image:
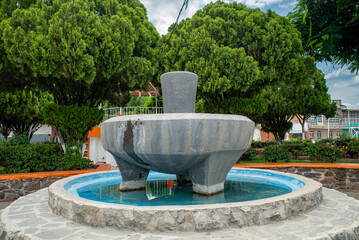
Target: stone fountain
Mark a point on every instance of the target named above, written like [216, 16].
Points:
[196, 147]
[200, 148]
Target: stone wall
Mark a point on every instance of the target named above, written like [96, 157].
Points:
[13, 189]
[336, 178]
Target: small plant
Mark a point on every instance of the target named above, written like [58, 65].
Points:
[248, 155]
[274, 153]
[323, 152]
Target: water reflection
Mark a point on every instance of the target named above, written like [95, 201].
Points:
[164, 192]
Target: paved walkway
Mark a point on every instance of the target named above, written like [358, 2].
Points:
[5, 204]
[336, 218]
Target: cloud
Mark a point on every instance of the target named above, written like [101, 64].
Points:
[338, 72]
[352, 106]
[288, 5]
[347, 83]
[259, 3]
[163, 13]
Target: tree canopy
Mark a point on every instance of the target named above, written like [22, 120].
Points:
[281, 108]
[21, 111]
[236, 51]
[329, 30]
[82, 51]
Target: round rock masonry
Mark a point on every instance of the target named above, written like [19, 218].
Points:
[201, 148]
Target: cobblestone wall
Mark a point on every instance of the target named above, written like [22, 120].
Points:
[337, 178]
[14, 189]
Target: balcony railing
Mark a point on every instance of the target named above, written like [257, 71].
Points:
[115, 111]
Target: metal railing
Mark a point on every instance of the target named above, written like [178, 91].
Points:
[115, 111]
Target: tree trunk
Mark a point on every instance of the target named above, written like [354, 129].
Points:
[303, 131]
[302, 122]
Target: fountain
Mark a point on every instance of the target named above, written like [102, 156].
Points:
[200, 148]
[190, 152]
[189, 149]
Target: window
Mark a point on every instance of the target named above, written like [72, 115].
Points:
[319, 135]
[338, 133]
[311, 135]
[316, 120]
[335, 119]
[330, 134]
[313, 119]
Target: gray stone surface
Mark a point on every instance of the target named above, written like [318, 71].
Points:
[202, 147]
[184, 218]
[179, 92]
[336, 218]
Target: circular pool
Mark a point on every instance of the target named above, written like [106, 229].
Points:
[251, 197]
[240, 185]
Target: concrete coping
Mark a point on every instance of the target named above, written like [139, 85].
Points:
[177, 116]
[54, 174]
[188, 217]
[298, 165]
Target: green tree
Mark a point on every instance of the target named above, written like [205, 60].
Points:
[281, 108]
[7, 7]
[72, 123]
[21, 111]
[329, 30]
[311, 97]
[82, 51]
[235, 51]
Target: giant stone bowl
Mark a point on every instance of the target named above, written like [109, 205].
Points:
[201, 148]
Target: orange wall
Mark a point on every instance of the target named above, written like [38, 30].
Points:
[265, 137]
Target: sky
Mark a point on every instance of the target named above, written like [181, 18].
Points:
[342, 83]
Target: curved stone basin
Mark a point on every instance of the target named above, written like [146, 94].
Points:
[197, 147]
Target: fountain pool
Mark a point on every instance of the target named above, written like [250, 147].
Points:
[160, 209]
[241, 185]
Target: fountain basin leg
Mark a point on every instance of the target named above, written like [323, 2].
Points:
[208, 178]
[133, 176]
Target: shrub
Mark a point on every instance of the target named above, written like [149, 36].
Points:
[342, 140]
[248, 155]
[323, 152]
[273, 153]
[73, 160]
[353, 148]
[328, 141]
[19, 139]
[295, 147]
[259, 144]
[38, 157]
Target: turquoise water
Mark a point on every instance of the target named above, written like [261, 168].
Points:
[241, 185]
